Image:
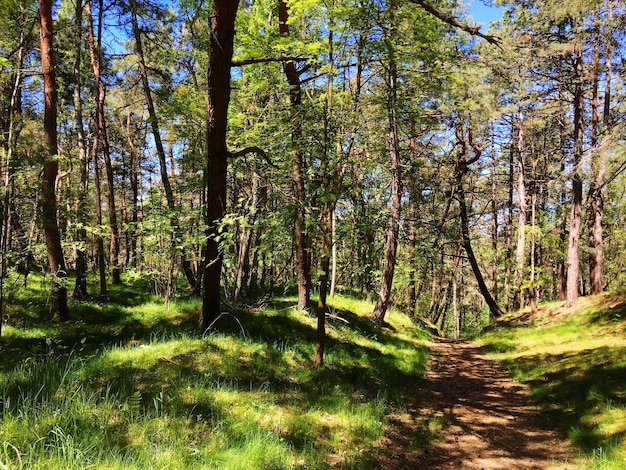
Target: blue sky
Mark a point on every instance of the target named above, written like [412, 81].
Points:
[483, 14]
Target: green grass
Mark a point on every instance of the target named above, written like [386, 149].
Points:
[131, 384]
[574, 360]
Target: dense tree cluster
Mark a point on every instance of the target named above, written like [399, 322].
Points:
[384, 147]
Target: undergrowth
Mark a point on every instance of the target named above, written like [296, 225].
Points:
[131, 384]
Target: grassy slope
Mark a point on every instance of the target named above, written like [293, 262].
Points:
[132, 385]
[574, 360]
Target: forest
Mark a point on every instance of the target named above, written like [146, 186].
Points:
[390, 165]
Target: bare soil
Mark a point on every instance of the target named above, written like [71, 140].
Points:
[469, 414]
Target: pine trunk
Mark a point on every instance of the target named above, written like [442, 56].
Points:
[297, 169]
[56, 261]
[222, 33]
[573, 262]
[378, 315]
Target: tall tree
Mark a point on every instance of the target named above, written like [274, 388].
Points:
[160, 149]
[393, 141]
[56, 260]
[598, 152]
[80, 286]
[297, 168]
[221, 44]
[573, 260]
[95, 53]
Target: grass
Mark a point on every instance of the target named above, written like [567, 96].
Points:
[574, 360]
[130, 384]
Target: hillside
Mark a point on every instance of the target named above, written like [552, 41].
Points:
[574, 361]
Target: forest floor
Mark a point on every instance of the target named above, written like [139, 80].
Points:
[468, 413]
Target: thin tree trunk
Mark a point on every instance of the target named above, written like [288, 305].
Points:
[508, 302]
[494, 219]
[56, 261]
[333, 273]
[297, 169]
[520, 253]
[154, 126]
[378, 315]
[222, 33]
[96, 164]
[573, 262]
[80, 287]
[598, 167]
[94, 51]
[462, 166]
[134, 187]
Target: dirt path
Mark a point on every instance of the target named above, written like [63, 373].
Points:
[474, 416]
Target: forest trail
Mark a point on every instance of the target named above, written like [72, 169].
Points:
[474, 416]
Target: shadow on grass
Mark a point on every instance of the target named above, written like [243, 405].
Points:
[575, 386]
[272, 357]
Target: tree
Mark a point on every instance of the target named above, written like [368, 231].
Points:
[378, 315]
[222, 33]
[573, 260]
[56, 260]
[102, 143]
[297, 168]
[160, 149]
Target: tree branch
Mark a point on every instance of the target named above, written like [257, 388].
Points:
[453, 21]
[265, 60]
[253, 149]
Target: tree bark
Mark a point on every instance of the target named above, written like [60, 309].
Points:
[56, 261]
[95, 50]
[573, 262]
[96, 164]
[297, 169]
[461, 168]
[378, 315]
[156, 133]
[80, 286]
[520, 252]
[222, 34]
[598, 166]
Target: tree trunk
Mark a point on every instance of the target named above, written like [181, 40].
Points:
[134, 188]
[494, 219]
[598, 167]
[520, 252]
[94, 52]
[56, 261]
[297, 169]
[573, 262]
[222, 33]
[80, 287]
[378, 315]
[156, 133]
[461, 168]
[508, 301]
[96, 164]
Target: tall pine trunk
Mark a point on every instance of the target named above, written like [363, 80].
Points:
[95, 49]
[297, 169]
[156, 134]
[573, 261]
[80, 287]
[380, 309]
[598, 166]
[520, 252]
[56, 261]
[222, 34]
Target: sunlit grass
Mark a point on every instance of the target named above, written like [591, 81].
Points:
[133, 384]
[575, 363]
